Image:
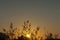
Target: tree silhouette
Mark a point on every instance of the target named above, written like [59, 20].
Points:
[3, 36]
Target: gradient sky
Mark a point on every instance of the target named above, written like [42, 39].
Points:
[43, 13]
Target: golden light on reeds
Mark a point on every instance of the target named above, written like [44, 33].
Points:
[28, 35]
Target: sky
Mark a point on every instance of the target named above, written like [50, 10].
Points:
[42, 13]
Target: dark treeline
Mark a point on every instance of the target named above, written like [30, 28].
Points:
[9, 35]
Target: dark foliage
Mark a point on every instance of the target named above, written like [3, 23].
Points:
[50, 37]
[3, 36]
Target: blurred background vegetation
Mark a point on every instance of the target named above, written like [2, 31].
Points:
[27, 33]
